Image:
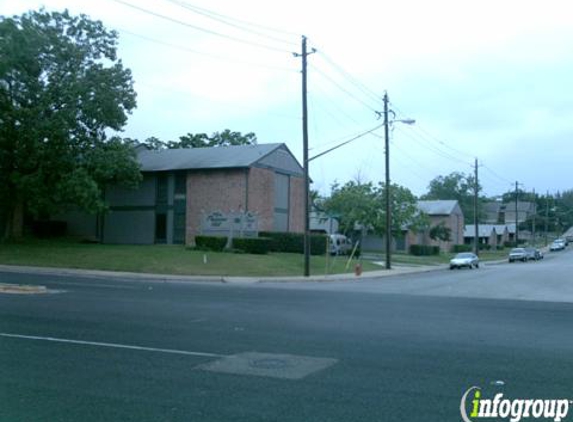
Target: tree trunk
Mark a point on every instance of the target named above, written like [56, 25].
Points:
[14, 229]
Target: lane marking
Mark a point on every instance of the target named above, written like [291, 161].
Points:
[112, 345]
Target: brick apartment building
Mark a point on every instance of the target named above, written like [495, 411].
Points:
[181, 187]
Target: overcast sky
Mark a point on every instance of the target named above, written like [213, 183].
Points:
[489, 80]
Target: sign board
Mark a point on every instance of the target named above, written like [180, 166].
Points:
[231, 224]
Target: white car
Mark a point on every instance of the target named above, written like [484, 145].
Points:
[464, 259]
[557, 245]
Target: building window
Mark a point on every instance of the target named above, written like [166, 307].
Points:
[160, 228]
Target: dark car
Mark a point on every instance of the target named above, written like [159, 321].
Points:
[518, 254]
[531, 254]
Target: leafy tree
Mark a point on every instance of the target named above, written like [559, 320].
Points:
[61, 87]
[441, 232]
[456, 186]
[202, 140]
[364, 204]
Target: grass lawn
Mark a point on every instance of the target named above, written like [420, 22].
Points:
[165, 259]
[444, 258]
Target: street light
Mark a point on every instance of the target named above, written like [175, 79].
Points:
[387, 124]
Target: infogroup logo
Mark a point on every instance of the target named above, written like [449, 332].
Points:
[513, 409]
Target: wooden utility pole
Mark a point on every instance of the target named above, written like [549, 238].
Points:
[546, 216]
[533, 221]
[306, 242]
[387, 195]
[516, 217]
[476, 219]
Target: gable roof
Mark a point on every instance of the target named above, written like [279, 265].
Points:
[484, 230]
[438, 207]
[239, 156]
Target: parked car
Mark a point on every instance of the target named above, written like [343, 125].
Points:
[557, 245]
[518, 254]
[531, 254]
[340, 245]
[464, 259]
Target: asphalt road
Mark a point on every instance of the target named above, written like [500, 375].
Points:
[397, 349]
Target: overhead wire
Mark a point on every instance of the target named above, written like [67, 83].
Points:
[202, 53]
[359, 85]
[201, 29]
[344, 90]
[227, 20]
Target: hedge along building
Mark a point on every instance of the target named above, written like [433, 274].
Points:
[181, 186]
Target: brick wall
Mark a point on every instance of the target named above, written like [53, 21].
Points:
[214, 190]
[296, 202]
[262, 196]
[226, 190]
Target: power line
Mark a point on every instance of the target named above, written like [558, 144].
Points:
[359, 85]
[198, 28]
[433, 138]
[347, 142]
[227, 20]
[202, 53]
[347, 92]
[503, 179]
[414, 136]
[241, 21]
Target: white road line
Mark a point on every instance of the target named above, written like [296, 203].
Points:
[112, 345]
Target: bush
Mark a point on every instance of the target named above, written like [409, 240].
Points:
[47, 228]
[484, 247]
[508, 244]
[211, 243]
[294, 242]
[253, 245]
[462, 248]
[423, 250]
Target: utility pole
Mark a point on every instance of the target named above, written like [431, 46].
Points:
[388, 239]
[516, 217]
[305, 158]
[546, 216]
[533, 220]
[476, 226]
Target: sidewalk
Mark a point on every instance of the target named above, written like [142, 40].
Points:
[170, 278]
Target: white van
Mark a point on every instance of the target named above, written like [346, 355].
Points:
[340, 245]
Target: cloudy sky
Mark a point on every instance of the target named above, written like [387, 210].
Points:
[489, 80]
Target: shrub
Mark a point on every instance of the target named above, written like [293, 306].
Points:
[49, 228]
[462, 248]
[508, 244]
[253, 245]
[484, 247]
[423, 250]
[211, 243]
[294, 242]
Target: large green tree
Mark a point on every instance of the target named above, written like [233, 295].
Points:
[364, 204]
[202, 140]
[61, 87]
[456, 186]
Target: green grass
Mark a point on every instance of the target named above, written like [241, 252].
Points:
[165, 259]
[444, 258]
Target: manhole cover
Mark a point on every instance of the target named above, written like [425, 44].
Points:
[269, 365]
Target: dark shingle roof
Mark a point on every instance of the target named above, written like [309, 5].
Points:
[204, 158]
[437, 207]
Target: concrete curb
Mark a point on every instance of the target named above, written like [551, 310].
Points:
[372, 275]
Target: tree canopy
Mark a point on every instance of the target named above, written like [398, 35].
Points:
[456, 186]
[61, 88]
[356, 203]
[202, 140]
